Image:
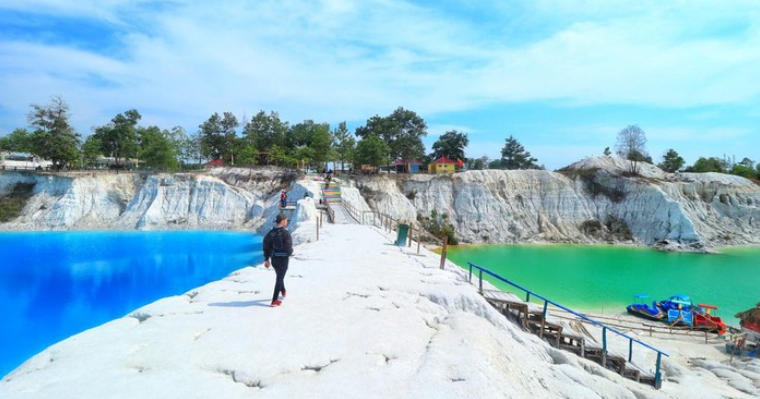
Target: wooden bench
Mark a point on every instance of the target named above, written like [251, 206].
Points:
[548, 327]
[610, 360]
[572, 340]
[507, 301]
[562, 334]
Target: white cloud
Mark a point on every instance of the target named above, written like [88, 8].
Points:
[438, 129]
[341, 60]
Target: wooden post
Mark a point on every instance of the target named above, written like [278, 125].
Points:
[411, 234]
[443, 251]
[317, 230]
[657, 375]
[418, 245]
[604, 347]
[480, 281]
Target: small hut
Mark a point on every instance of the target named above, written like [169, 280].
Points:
[751, 316]
[750, 322]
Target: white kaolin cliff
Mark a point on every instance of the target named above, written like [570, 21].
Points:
[590, 201]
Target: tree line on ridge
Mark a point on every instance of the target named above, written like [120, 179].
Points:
[266, 139]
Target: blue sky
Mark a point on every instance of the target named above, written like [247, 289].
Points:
[562, 76]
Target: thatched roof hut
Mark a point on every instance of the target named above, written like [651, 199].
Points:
[751, 316]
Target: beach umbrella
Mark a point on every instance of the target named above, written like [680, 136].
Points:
[750, 316]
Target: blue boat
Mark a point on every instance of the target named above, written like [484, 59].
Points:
[639, 308]
[680, 310]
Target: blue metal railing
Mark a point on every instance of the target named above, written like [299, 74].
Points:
[605, 328]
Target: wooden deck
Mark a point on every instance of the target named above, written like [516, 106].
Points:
[563, 334]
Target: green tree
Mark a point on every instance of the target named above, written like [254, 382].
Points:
[182, 144]
[303, 154]
[495, 164]
[711, 164]
[156, 150]
[19, 140]
[607, 151]
[514, 156]
[300, 134]
[53, 138]
[747, 163]
[218, 137]
[743, 171]
[321, 144]
[402, 131]
[631, 145]
[372, 151]
[671, 161]
[92, 149]
[264, 131]
[345, 145]
[119, 138]
[247, 154]
[280, 157]
[194, 147]
[451, 145]
[314, 136]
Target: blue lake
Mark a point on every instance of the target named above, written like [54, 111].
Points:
[56, 284]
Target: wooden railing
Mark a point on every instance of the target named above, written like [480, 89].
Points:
[605, 327]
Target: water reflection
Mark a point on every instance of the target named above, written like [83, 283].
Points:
[54, 285]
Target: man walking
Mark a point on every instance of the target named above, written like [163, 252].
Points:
[278, 245]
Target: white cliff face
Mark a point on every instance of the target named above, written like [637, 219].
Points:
[222, 199]
[65, 202]
[585, 204]
[591, 201]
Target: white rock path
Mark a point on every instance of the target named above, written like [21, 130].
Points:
[363, 319]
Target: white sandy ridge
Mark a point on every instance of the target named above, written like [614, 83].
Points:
[362, 319]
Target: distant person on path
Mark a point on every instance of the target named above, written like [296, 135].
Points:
[283, 199]
[278, 246]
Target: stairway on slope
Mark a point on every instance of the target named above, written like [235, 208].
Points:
[331, 194]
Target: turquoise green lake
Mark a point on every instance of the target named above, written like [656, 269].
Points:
[604, 279]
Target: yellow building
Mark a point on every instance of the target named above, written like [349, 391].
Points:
[442, 165]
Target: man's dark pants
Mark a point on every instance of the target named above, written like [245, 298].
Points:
[280, 265]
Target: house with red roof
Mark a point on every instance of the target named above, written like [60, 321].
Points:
[213, 164]
[442, 165]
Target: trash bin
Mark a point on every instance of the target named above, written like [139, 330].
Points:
[403, 232]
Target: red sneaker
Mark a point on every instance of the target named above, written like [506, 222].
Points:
[284, 293]
[276, 303]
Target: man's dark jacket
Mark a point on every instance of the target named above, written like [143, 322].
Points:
[281, 237]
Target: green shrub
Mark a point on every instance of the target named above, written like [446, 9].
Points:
[13, 203]
[619, 228]
[439, 226]
[591, 227]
